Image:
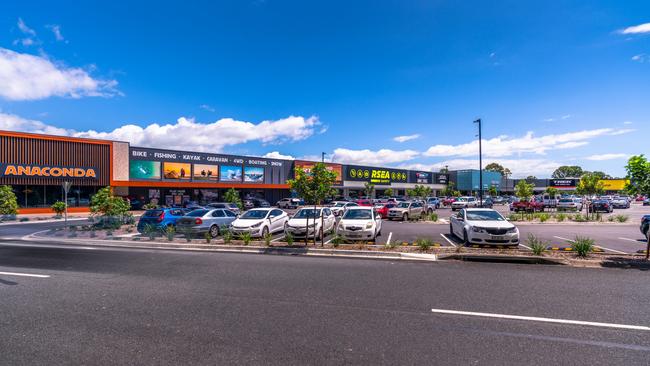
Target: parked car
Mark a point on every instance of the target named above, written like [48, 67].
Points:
[159, 218]
[645, 225]
[382, 209]
[569, 204]
[483, 226]
[646, 202]
[498, 200]
[448, 201]
[533, 204]
[288, 203]
[601, 206]
[204, 220]
[248, 204]
[308, 221]
[620, 202]
[464, 202]
[432, 204]
[260, 221]
[406, 210]
[339, 207]
[359, 223]
[224, 205]
[364, 202]
[488, 203]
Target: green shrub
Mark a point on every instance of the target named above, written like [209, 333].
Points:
[543, 217]
[622, 218]
[433, 217]
[170, 231]
[58, 207]
[188, 234]
[289, 239]
[582, 246]
[337, 240]
[611, 218]
[8, 201]
[105, 204]
[267, 239]
[513, 217]
[245, 237]
[149, 231]
[537, 245]
[207, 237]
[424, 244]
[579, 218]
[560, 217]
[226, 234]
[150, 206]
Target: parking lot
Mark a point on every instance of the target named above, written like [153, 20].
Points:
[614, 238]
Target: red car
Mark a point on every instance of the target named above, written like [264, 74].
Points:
[382, 208]
[532, 205]
[448, 201]
[364, 202]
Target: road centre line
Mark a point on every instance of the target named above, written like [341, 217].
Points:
[447, 239]
[543, 320]
[597, 246]
[24, 274]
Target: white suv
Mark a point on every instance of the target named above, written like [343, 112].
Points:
[464, 202]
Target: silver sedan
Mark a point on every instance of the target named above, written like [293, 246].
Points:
[203, 220]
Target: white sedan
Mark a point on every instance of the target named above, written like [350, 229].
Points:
[359, 223]
[339, 207]
[483, 226]
[260, 222]
[308, 221]
[464, 202]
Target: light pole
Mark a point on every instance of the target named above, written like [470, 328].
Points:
[323, 157]
[480, 161]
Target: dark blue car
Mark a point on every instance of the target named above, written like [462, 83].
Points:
[645, 225]
[160, 218]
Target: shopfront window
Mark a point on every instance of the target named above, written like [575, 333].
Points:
[29, 196]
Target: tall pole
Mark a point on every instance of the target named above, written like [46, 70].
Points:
[322, 157]
[480, 161]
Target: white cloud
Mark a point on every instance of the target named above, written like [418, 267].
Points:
[56, 30]
[30, 35]
[553, 119]
[641, 58]
[637, 29]
[520, 168]
[24, 28]
[380, 157]
[207, 108]
[627, 123]
[185, 134]
[28, 77]
[278, 155]
[406, 138]
[603, 157]
[622, 131]
[507, 146]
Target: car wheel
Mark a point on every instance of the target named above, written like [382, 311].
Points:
[214, 231]
[320, 234]
[265, 231]
[451, 230]
[405, 217]
[430, 211]
[465, 238]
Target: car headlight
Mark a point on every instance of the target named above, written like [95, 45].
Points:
[512, 230]
[478, 229]
[256, 225]
[369, 225]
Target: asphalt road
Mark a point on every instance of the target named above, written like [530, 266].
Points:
[108, 306]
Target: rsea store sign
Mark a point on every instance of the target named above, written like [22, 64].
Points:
[375, 175]
[21, 170]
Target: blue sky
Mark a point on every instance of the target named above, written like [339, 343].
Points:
[565, 83]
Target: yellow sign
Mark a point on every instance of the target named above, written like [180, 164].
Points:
[614, 184]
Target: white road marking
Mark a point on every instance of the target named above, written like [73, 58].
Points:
[544, 320]
[525, 246]
[24, 274]
[597, 246]
[278, 239]
[390, 235]
[632, 240]
[447, 239]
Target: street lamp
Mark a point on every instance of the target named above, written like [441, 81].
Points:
[480, 161]
[323, 157]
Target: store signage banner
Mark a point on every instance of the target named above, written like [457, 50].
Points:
[562, 182]
[138, 153]
[44, 171]
[421, 177]
[307, 166]
[442, 178]
[376, 175]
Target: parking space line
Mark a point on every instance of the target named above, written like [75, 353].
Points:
[447, 239]
[544, 320]
[278, 239]
[565, 239]
[525, 246]
[390, 235]
[632, 240]
[24, 274]
[597, 246]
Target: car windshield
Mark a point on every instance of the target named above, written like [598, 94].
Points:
[484, 216]
[254, 215]
[307, 212]
[461, 199]
[358, 215]
[403, 205]
[566, 200]
[340, 204]
[153, 213]
[197, 213]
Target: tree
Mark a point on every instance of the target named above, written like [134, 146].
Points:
[531, 178]
[8, 201]
[567, 171]
[369, 189]
[590, 185]
[492, 191]
[388, 192]
[112, 209]
[524, 191]
[638, 172]
[495, 167]
[420, 191]
[314, 188]
[59, 208]
[601, 175]
[444, 170]
[552, 192]
[232, 196]
[449, 190]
